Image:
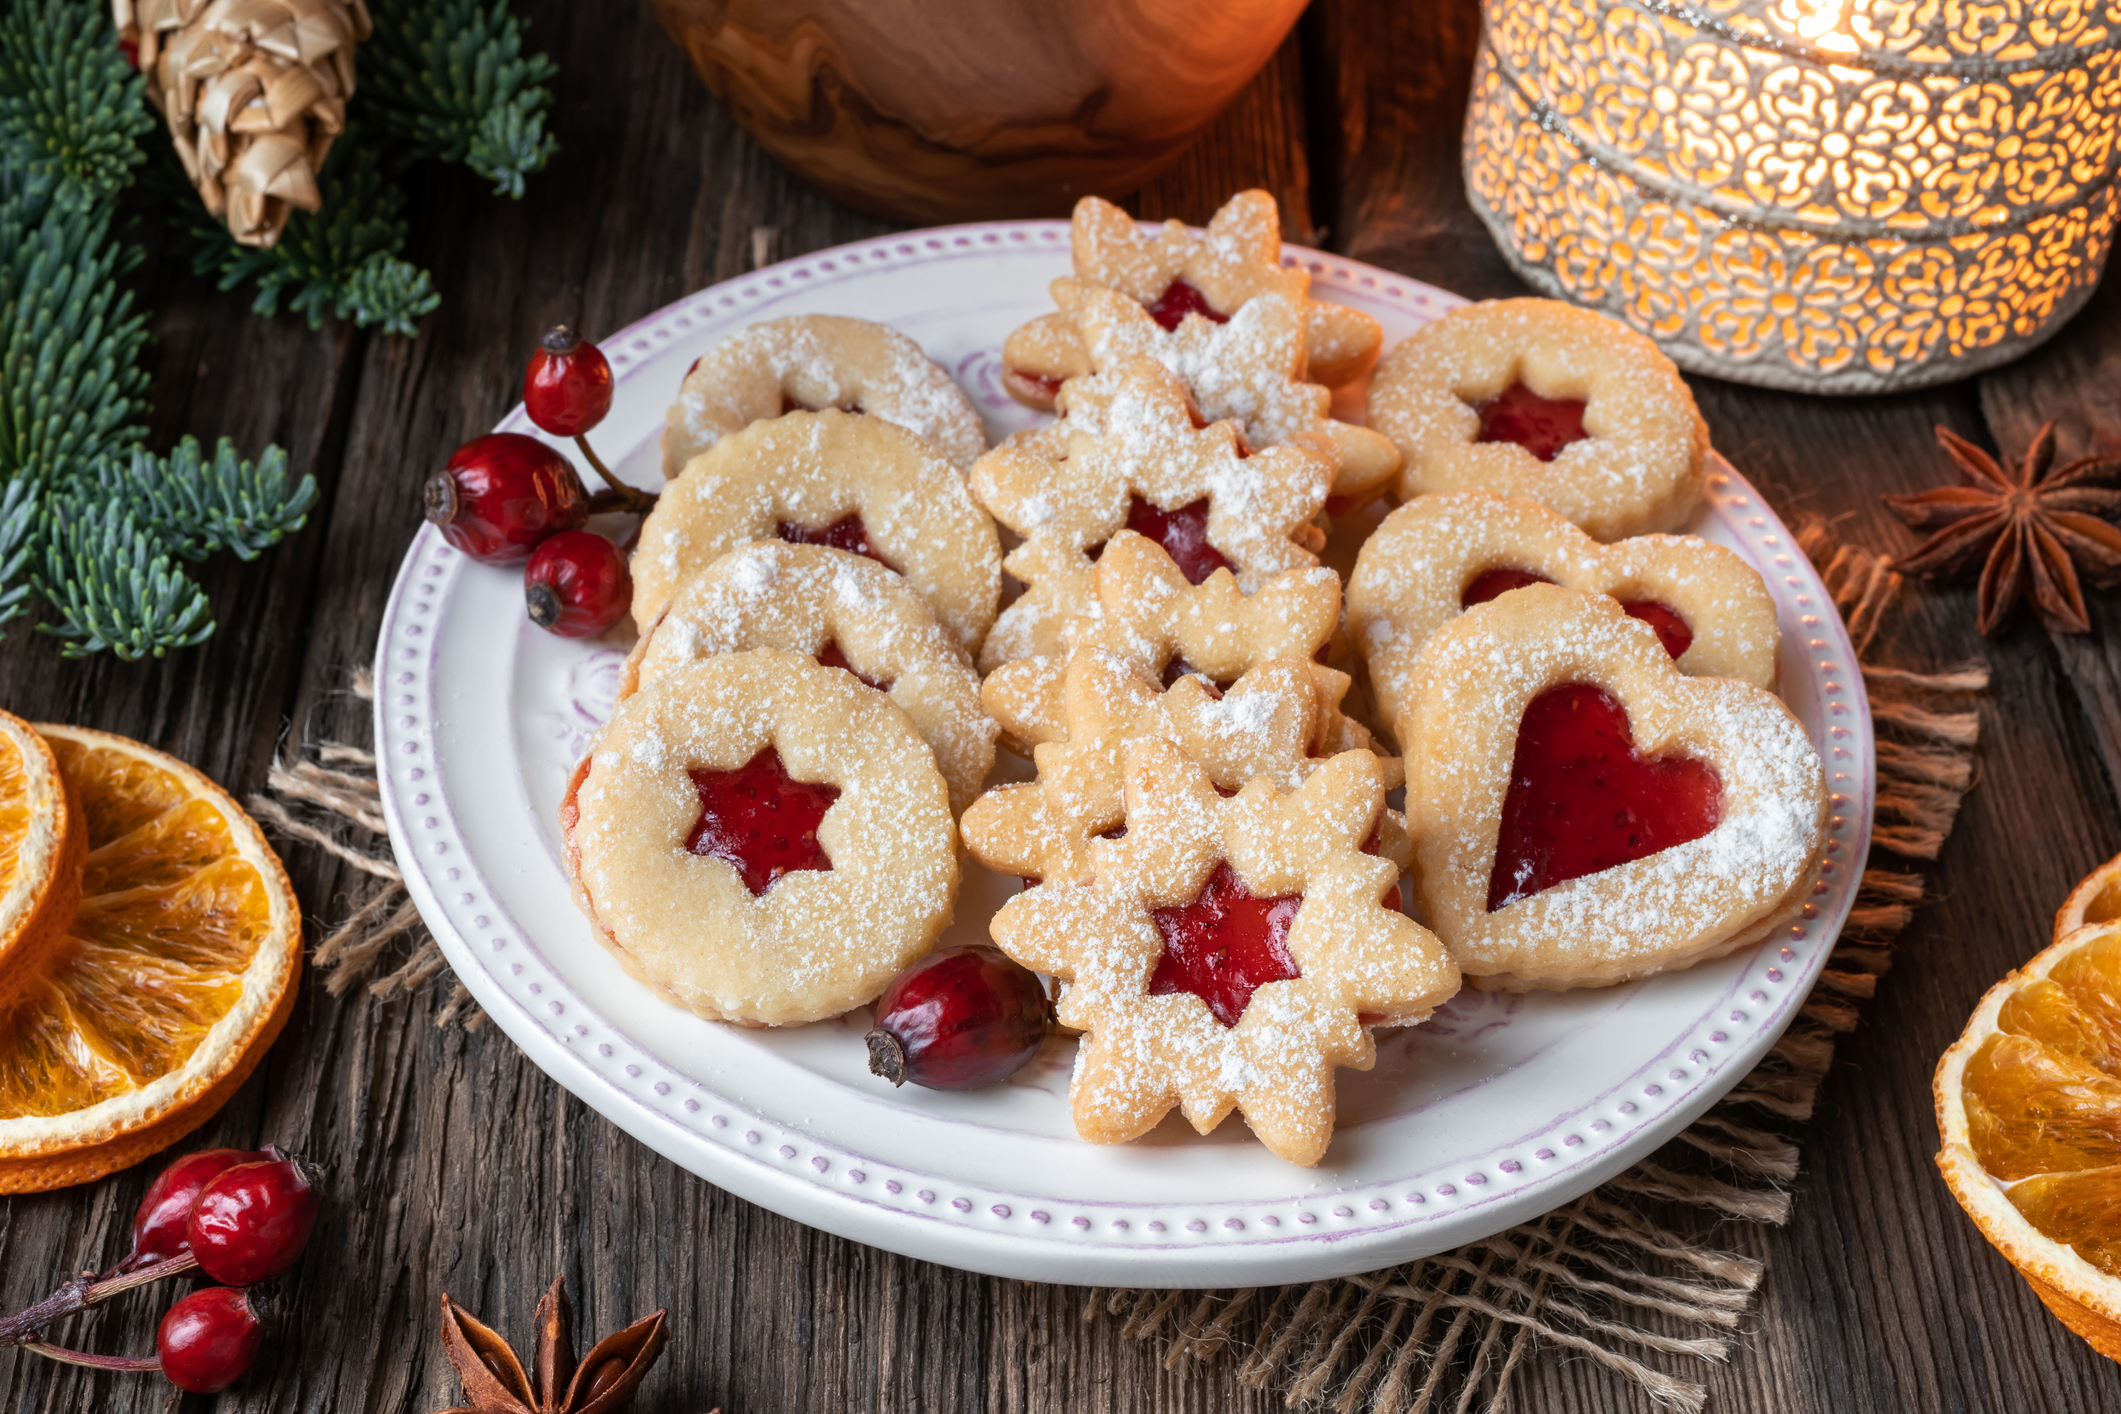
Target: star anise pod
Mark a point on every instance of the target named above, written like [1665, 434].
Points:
[2038, 527]
[494, 1380]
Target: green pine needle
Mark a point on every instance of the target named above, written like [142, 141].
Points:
[72, 390]
[194, 506]
[18, 507]
[341, 262]
[69, 101]
[449, 79]
[113, 585]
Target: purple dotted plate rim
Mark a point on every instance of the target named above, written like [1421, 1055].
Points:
[805, 1175]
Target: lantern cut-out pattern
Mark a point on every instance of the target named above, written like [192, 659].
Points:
[1839, 196]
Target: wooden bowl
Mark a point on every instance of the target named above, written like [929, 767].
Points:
[955, 110]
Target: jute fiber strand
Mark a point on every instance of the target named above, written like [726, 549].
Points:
[255, 92]
[1628, 1276]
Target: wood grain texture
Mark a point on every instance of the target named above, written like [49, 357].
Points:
[457, 1166]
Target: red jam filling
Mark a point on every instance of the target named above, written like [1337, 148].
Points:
[1542, 426]
[1183, 533]
[847, 533]
[1493, 584]
[759, 821]
[1582, 800]
[1036, 386]
[1225, 945]
[1180, 299]
[1672, 629]
[830, 656]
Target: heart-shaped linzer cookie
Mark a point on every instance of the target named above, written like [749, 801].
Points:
[1437, 556]
[1585, 813]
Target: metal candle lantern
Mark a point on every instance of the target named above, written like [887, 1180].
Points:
[1833, 196]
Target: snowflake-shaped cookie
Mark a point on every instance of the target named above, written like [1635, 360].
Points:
[1345, 957]
[1129, 443]
[1237, 258]
[1146, 613]
[1250, 369]
[1280, 721]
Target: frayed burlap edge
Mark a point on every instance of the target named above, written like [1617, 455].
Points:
[327, 797]
[1623, 1276]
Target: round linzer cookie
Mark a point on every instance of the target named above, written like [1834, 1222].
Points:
[761, 839]
[1229, 952]
[845, 612]
[1439, 555]
[1586, 813]
[815, 361]
[1536, 398]
[1280, 721]
[847, 480]
[1175, 271]
[1127, 454]
[1249, 370]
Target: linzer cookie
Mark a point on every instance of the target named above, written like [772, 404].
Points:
[1166, 628]
[1280, 721]
[1536, 398]
[1249, 369]
[846, 480]
[1587, 814]
[1126, 454]
[846, 612]
[761, 839]
[812, 362]
[1439, 555]
[1175, 271]
[1227, 952]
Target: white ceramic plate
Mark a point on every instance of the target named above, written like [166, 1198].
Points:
[1497, 1110]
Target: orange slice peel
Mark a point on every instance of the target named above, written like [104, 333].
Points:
[2096, 900]
[2029, 1108]
[42, 844]
[172, 975]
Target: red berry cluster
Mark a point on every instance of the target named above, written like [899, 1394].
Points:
[241, 1216]
[506, 496]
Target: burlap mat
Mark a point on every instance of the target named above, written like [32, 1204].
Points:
[1633, 1276]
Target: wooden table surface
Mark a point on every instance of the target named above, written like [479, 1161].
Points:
[456, 1166]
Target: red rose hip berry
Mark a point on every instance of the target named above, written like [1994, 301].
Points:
[208, 1340]
[577, 585]
[567, 388]
[252, 1220]
[958, 1019]
[504, 494]
[162, 1225]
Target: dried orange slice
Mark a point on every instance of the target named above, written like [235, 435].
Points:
[177, 971]
[42, 840]
[2096, 900]
[2029, 1104]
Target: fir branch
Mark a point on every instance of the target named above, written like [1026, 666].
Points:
[69, 101]
[341, 262]
[449, 79]
[194, 506]
[113, 585]
[72, 390]
[19, 504]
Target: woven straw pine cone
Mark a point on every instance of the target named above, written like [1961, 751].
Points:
[255, 91]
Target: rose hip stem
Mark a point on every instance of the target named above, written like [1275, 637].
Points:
[82, 1292]
[629, 498]
[95, 1362]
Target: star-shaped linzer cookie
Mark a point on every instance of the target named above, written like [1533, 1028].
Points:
[1173, 270]
[1128, 451]
[1229, 952]
[1281, 721]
